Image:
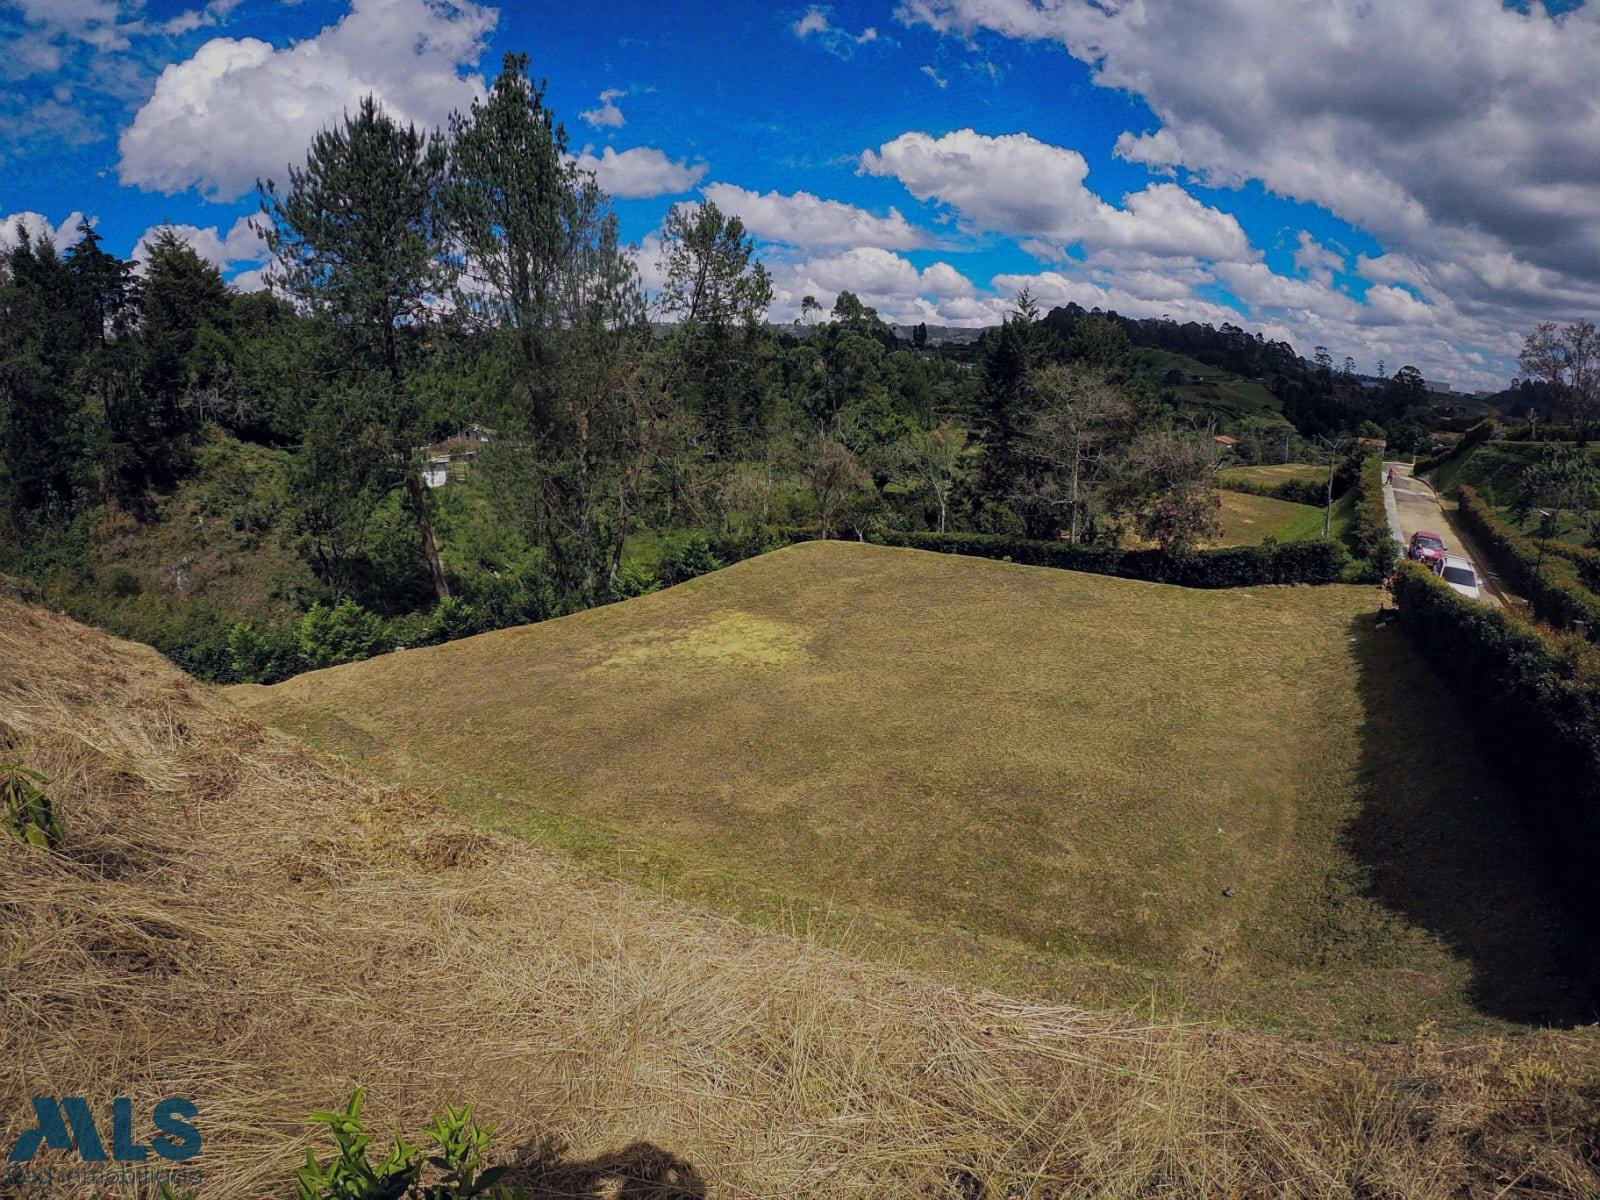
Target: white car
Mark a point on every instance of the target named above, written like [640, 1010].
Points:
[1460, 575]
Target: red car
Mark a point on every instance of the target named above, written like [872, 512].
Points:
[1427, 548]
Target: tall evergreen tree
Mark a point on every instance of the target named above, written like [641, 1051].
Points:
[43, 424]
[514, 203]
[542, 261]
[359, 237]
[105, 292]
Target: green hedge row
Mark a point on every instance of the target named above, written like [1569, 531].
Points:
[1551, 583]
[1237, 566]
[1476, 436]
[1541, 722]
[1371, 538]
[1586, 560]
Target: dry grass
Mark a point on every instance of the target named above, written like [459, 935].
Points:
[1275, 473]
[1250, 804]
[235, 921]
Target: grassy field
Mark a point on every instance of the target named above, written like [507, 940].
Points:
[1250, 804]
[1274, 473]
[1247, 520]
[236, 921]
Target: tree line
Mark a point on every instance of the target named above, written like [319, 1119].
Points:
[424, 281]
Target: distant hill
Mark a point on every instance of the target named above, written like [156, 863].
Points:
[943, 335]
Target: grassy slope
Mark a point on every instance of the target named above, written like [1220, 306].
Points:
[234, 921]
[1494, 468]
[1247, 520]
[215, 540]
[1248, 802]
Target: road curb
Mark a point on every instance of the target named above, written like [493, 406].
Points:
[1391, 509]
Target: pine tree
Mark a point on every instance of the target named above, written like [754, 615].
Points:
[359, 237]
[43, 425]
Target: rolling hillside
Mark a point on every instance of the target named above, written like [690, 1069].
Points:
[1251, 803]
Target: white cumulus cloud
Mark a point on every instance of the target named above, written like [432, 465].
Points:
[40, 230]
[641, 172]
[1463, 134]
[240, 108]
[1019, 185]
[802, 219]
[240, 244]
[607, 115]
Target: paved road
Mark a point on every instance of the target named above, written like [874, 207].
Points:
[1415, 505]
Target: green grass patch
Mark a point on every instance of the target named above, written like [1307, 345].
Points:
[1248, 520]
[1250, 804]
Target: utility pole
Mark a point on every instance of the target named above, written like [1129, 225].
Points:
[1332, 443]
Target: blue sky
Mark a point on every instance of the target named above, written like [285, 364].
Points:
[1306, 167]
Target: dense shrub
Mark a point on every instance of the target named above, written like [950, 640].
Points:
[1477, 435]
[263, 656]
[1541, 721]
[633, 580]
[1587, 561]
[453, 618]
[518, 597]
[693, 557]
[410, 630]
[1371, 538]
[345, 633]
[1550, 581]
[1237, 566]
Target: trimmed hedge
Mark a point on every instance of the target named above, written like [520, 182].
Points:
[1371, 539]
[1541, 725]
[1586, 560]
[1550, 581]
[1235, 566]
[1476, 436]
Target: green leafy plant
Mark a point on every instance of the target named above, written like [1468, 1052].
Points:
[463, 1147]
[263, 656]
[28, 814]
[453, 618]
[352, 1175]
[345, 633]
[459, 1161]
